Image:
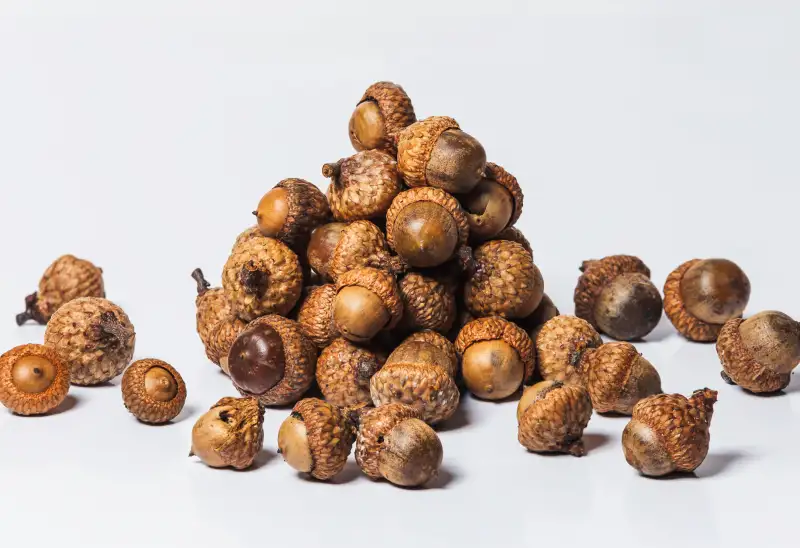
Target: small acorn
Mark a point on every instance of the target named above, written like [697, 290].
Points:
[66, 279]
[363, 185]
[367, 301]
[428, 303]
[153, 391]
[273, 361]
[443, 344]
[701, 295]
[435, 152]
[249, 234]
[316, 315]
[344, 371]
[33, 379]
[212, 307]
[231, 433]
[759, 353]
[669, 433]
[513, 234]
[494, 204]
[393, 443]
[94, 337]
[383, 111]
[496, 357]
[545, 312]
[316, 438]
[290, 211]
[560, 346]
[552, 417]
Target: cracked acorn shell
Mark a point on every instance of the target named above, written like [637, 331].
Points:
[617, 376]
[560, 346]
[425, 349]
[262, 276]
[552, 417]
[362, 186]
[669, 433]
[231, 433]
[94, 337]
[494, 204]
[316, 315]
[67, 278]
[316, 438]
[290, 211]
[153, 391]
[427, 303]
[383, 111]
[33, 379]
[367, 301]
[344, 371]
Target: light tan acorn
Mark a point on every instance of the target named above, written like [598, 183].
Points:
[513, 234]
[428, 303]
[367, 301]
[290, 211]
[316, 438]
[153, 391]
[560, 346]
[383, 111]
[217, 326]
[441, 342]
[669, 433]
[231, 433]
[249, 234]
[428, 347]
[316, 315]
[494, 204]
[344, 370]
[759, 353]
[552, 417]
[33, 379]
[67, 278]
[363, 185]
[94, 337]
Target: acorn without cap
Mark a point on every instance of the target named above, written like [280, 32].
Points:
[616, 296]
[290, 211]
[701, 295]
[316, 315]
[494, 204]
[67, 278]
[552, 417]
[229, 434]
[367, 301]
[383, 111]
[94, 337]
[344, 370]
[153, 391]
[33, 379]
[428, 303]
[362, 186]
[759, 353]
[560, 346]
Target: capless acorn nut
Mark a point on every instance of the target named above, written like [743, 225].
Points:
[560, 346]
[316, 315]
[231, 433]
[153, 391]
[442, 343]
[701, 295]
[344, 370]
[290, 211]
[367, 301]
[616, 296]
[494, 204]
[33, 379]
[428, 303]
[759, 353]
[362, 186]
[669, 433]
[552, 417]
[383, 111]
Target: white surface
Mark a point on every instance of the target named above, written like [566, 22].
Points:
[142, 137]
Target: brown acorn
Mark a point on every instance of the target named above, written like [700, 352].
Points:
[616, 296]
[428, 303]
[221, 339]
[363, 185]
[427, 348]
[440, 341]
[426, 227]
[231, 433]
[759, 353]
[496, 357]
[505, 281]
[513, 234]
[393, 443]
[701, 295]
[435, 152]
[560, 346]
[94, 337]
[33, 379]
[212, 307]
[669, 433]
[272, 360]
[344, 370]
[262, 276]
[494, 204]
[249, 234]
[316, 438]
[316, 315]
[153, 391]
[66, 279]
[552, 417]
[367, 301]
[290, 211]
[545, 312]
[383, 111]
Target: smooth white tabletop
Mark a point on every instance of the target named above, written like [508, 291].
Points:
[141, 137]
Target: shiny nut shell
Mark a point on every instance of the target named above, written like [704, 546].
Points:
[687, 325]
[597, 275]
[438, 340]
[415, 145]
[307, 209]
[396, 109]
[742, 367]
[379, 282]
[428, 194]
[496, 173]
[493, 329]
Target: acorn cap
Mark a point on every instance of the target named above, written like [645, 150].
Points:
[374, 426]
[221, 339]
[249, 234]
[362, 244]
[502, 177]
[415, 145]
[27, 403]
[379, 282]
[245, 435]
[363, 185]
[513, 234]
[316, 315]
[344, 370]
[140, 403]
[597, 275]
[429, 389]
[330, 436]
[498, 329]
[556, 419]
[427, 303]
[687, 325]
[395, 107]
[428, 194]
[560, 346]
[742, 367]
[441, 342]
[607, 372]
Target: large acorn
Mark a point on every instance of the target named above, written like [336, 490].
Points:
[494, 204]
[273, 361]
[616, 296]
[66, 279]
[701, 295]
[383, 111]
[560, 346]
[33, 379]
[344, 370]
[427, 347]
[428, 303]
[362, 186]
[435, 152]
[552, 417]
[367, 301]
[231, 433]
[290, 211]
[316, 315]
[153, 391]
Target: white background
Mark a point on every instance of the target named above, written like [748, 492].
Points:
[140, 135]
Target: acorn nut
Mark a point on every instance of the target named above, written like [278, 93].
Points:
[231, 433]
[316, 315]
[290, 211]
[33, 379]
[153, 391]
[216, 324]
[442, 343]
[428, 303]
[367, 301]
[428, 348]
[362, 186]
[552, 417]
[561, 345]
[494, 204]
[513, 234]
[383, 111]
[344, 370]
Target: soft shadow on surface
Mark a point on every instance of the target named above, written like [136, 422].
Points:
[69, 403]
[594, 440]
[614, 415]
[105, 384]
[443, 480]
[717, 463]
[264, 457]
[663, 331]
[674, 476]
[460, 419]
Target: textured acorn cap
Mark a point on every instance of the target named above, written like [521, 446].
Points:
[307, 209]
[245, 433]
[555, 420]
[396, 109]
[140, 403]
[617, 377]
[441, 342]
[498, 329]
[26, 403]
[687, 325]
[427, 303]
[379, 282]
[212, 306]
[374, 426]
[513, 234]
[94, 337]
[344, 370]
[249, 234]
[742, 367]
[426, 352]
[560, 346]
[222, 338]
[502, 177]
[429, 389]
[596, 276]
[363, 185]
[316, 315]
[362, 244]
[415, 145]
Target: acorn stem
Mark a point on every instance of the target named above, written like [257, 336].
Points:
[332, 170]
[705, 398]
[110, 325]
[31, 311]
[202, 283]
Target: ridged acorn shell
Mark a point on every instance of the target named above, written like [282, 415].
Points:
[430, 390]
[396, 109]
[379, 282]
[415, 145]
[687, 325]
[597, 275]
[739, 363]
[330, 436]
[246, 433]
[513, 234]
[560, 346]
[617, 377]
[363, 185]
[344, 370]
[140, 404]
[316, 315]
[498, 329]
[308, 208]
[441, 342]
[24, 403]
[361, 244]
[374, 426]
[67, 278]
[427, 303]
[555, 421]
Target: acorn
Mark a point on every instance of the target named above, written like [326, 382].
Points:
[427, 347]
[513, 234]
[221, 339]
[94, 337]
[393, 443]
[344, 370]
[212, 306]
[494, 204]
[435, 152]
[505, 281]
[383, 111]
[66, 279]
[153, 391]
[316, 315]
[441, 342]
[33, 379]
[249, 234]
[428, 303]
[316, 438]
[363, 185]
[616, 296]
[231, 433]
[701, 295]
[290, 211]
[669, 433]
[560, 346]
[367, 301]
[262, 276]
[272, 360]
[759, 353]
[496, 357]
[552, 417]
[426, 227]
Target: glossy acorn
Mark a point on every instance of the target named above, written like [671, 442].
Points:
[494, 204]
[290, 211]
[231, 433]
[344, 370]
[367, 301]
[33, 379]
[362, 186]
[153, 391]
[384, 110]
[561, 345]
[552, 417]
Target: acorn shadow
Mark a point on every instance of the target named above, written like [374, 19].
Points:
[350, 473]
[444, 479]
[717, 463]
[70, 402]
[663, 331]
[675, 476]
[185, 413]
[595, 440]
[264, 457]
[458, 420]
